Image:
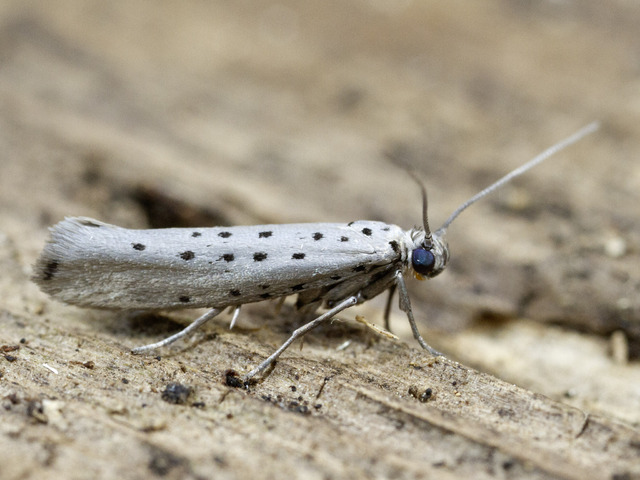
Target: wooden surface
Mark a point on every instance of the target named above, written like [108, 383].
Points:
[212, 113]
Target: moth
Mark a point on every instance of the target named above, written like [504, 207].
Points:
[335, 265]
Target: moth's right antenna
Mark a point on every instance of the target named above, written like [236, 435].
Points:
[583, 132]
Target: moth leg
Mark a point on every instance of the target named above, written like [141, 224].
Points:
[300, 332]
[197, 323]
[405, 306]
[387, 308]
[236, 312]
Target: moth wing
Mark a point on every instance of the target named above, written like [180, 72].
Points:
[90, 263]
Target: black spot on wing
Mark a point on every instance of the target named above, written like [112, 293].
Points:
[224, 234]
[50, 270]
[335, 277]
[317, 236]
[235, 293]
[350, 223]
[359, 268]
[386, 229]
[265, 295]
[227, 257]
[344, 239]
[266, 234]
[298, 256]
[184, 299]
[87, 222]
[187, 255]
[259, 256]
[138, 246]
[367, 231]
[265, 286]
[395, 246]
[196, 234]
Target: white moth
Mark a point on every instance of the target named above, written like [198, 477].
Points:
[92, 264]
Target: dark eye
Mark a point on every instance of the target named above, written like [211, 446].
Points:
[423, 261]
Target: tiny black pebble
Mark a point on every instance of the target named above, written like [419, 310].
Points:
[296, 407]
[259, 256]
[366, 231]
[176, 393]
[317, 236]
[298, 256]
[196, 234]
[232, 379]
[344, 239]
[185, 299]
[423, 397]
[188, 255]
[426, 395]
[125, 381]
[138, 246]
[265, 234]
[224, 234]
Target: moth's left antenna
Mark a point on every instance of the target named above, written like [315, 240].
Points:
[425, 203]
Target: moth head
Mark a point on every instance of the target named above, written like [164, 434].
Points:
[430, 257]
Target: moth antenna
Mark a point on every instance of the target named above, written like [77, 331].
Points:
[423, 190]
[425, 216]
[579, 135]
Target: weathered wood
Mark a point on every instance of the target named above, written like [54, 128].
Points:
[158, 113]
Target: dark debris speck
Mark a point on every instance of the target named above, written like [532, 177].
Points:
[176, 393]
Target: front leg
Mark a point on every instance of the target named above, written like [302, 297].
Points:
[405, 306]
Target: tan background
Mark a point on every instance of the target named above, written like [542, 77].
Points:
[202, 113]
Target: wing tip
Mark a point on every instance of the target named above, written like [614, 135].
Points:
[64, 237]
